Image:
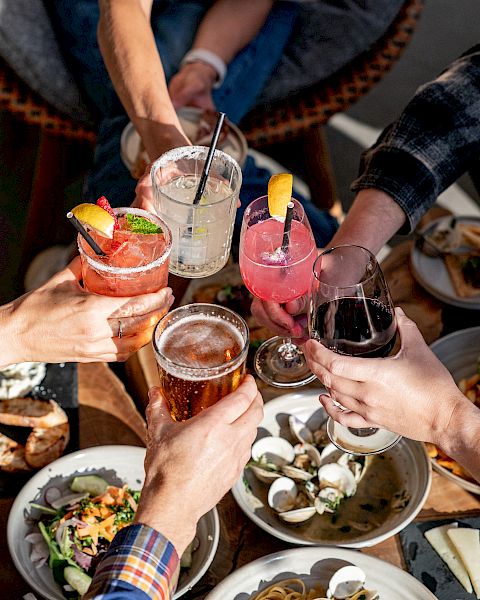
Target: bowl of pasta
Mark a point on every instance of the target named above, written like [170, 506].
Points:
[318, 573]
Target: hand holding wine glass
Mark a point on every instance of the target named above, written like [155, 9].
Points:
[351, 313]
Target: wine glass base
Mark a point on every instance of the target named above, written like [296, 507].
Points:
[276, 370]
[345, 439]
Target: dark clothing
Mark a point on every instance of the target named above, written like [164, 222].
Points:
[435, 140]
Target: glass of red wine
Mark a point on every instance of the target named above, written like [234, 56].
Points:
[351, 312]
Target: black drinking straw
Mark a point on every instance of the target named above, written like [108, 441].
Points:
[208, 162]
[82, 231]
[287, 227]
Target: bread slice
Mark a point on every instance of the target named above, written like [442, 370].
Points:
[454, 264]
[46, 445]
[27, 412]
[12, 456]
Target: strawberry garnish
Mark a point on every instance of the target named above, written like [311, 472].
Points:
[105, 204]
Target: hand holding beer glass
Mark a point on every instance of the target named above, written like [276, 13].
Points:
[201, 350]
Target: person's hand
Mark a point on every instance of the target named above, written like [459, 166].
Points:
[191, 465]
[410, 393]
[61, 322]
[287, 320]
[192, 86]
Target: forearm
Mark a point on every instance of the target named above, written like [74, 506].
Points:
[460, 440]
[128, 48]
[10, 342]
[230, 25]
[371, 221]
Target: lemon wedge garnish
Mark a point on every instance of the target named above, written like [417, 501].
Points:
[279, 194]
[95, 218]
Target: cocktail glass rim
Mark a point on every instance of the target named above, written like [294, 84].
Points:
[361, 283]
[99, 266]
[246, 214]
[194, 152]
[197, 372]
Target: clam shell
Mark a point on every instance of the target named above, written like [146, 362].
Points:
[276, 450]
[331, 454]
[300, 430]
[346, 582]
[338, 476]
[366, 595]
[264, 475]
[310, 450]
[297, 474]
[282, 494]
[298, 515]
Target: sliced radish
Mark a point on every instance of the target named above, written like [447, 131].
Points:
[34, 537]
[52, 494]
[66, 500]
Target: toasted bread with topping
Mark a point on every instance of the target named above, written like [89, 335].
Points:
[46, 445]
[28, 412]
[12, 456]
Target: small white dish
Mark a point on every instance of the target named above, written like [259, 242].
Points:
[116, 464]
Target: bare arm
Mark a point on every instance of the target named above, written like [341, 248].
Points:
[371, 221]
[230, 25]
[128, 47]
[461, 440]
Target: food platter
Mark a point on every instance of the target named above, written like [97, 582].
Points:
[432, 274]
[316, 564]
[115, 464]
[459, 352]
[408, 459]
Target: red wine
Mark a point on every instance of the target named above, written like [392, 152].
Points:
[355, 326]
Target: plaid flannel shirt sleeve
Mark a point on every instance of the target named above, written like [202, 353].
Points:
[435, 140]
[140, 564]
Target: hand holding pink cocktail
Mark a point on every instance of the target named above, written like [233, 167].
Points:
[277, 253]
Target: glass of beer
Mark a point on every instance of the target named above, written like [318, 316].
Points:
[201, 351]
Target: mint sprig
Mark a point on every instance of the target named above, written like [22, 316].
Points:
[142, 225]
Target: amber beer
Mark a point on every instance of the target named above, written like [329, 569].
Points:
[201, 350]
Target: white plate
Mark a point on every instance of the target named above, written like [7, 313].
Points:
[459, 352]
[432, 273]
[315, 565]
[409, 458]
[114, 463]
[234, 144]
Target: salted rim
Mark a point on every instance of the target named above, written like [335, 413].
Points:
[199, 308]
[194, 152]
[99, 266]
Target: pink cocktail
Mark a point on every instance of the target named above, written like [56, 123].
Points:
[270, 273]
[134, 263]
[277, 266]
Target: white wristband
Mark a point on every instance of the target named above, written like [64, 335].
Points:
[209, 58]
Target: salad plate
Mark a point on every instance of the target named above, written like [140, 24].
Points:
[315, 566]
[363, 518]
[118, 466]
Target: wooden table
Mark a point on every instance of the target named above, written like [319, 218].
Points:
[108, 416]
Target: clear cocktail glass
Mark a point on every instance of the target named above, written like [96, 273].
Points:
[201, 233]
[201, 351]
[274, 275]
[133, 264]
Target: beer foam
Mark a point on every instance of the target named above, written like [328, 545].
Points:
[199, 342]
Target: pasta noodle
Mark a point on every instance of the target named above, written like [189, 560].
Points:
[287, 589]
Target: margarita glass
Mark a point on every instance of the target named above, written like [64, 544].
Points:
[201, 233]
[134, 263]
[276, 275]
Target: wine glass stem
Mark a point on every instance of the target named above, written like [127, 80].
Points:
[288, 350]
